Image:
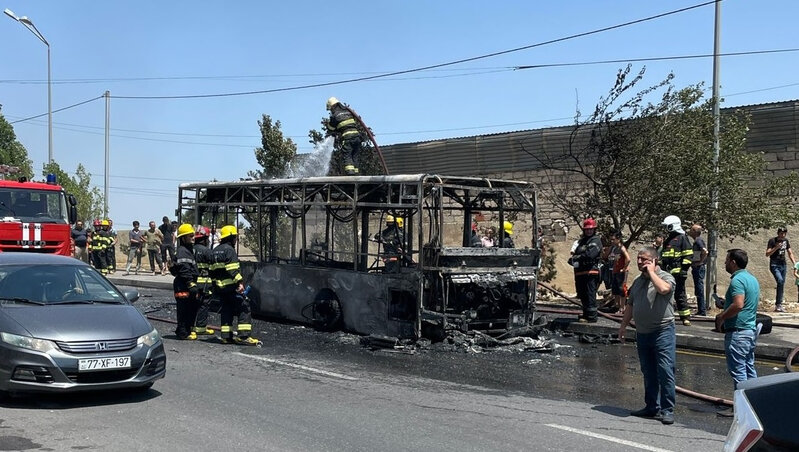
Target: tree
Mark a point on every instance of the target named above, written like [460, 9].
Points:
[276, 156]
[276, 153]
[631, 163]
[90, 200]
[12, 152]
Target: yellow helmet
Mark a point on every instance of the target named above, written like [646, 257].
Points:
[227, 231]
[105, 223]
[185, 229]
[330, 102]
[400, 221]
[508, 227]
[389, 219]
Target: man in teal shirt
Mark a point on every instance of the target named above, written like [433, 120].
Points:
[738, 317]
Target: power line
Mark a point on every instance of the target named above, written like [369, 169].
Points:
[425, 68]
[635, 60]
[221, 77]
[56, 111]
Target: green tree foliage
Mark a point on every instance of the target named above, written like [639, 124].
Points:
[12, 152]
[276, 156]
[632, 162]
[276, 153]
[90, 199]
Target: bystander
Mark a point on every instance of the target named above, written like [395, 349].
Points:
[136, 246]
[651, 305]
[80, 238]
[776, 250]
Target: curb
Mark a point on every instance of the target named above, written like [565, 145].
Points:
[165, 284]
[715, 344]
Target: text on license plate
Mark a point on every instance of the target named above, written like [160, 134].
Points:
[116, 362]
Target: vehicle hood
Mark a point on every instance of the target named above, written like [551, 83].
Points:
[75, 322]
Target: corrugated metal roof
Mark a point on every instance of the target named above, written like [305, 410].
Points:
[774, 126]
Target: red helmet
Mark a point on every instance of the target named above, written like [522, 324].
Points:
[201, 232]
[589, 223]
[96, 222]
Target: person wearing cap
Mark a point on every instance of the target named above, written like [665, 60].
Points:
[343, 125]
[776, 250]
[184, 268]
[585, 261]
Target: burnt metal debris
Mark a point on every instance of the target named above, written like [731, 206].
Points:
[381, 255]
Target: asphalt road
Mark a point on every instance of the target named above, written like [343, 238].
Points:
[307, 390]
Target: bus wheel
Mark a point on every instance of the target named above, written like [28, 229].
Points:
[327, 312]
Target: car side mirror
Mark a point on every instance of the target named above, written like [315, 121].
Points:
[131, 295]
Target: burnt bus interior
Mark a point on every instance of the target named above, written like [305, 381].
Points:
[318, 256]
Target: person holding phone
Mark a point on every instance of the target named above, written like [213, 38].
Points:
[650, 303]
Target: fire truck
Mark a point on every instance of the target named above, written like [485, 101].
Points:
[36, 217]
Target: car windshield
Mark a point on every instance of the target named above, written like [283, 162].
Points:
[35, 206]
[55, 284]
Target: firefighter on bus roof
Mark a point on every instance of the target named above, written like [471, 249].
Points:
[344, 127]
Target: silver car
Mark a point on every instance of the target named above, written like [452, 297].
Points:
[65, 328]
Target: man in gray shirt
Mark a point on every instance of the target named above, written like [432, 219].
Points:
[651, 304]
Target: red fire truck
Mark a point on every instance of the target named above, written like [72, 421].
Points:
[36, 217]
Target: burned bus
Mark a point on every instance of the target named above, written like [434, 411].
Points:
[315, 250]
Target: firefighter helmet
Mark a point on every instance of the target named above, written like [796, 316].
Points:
[201, 232]
[105, 223]
[589, 223]
[389, 219]
[400, 221]
[96, 222]
[508, 227]
[227, 231]
[330, 102]
[672, 223]
[185, 229]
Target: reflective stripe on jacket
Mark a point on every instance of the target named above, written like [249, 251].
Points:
[676, 255]
[225, 270]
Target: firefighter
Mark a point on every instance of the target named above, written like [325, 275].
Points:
[100, 242]
[585, 261]
[225, 272]
[184, 269]
[391, 239]
[676, 259]
[203, 257]
[507, 240]
[344, 127]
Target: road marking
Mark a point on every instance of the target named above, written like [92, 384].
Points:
[299, 366]
[608, 438]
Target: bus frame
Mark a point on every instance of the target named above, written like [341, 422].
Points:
[317, 259]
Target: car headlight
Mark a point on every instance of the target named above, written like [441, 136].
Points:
[31, 343]
[150, 338]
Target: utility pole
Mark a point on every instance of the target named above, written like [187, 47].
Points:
[712, 239]
[107, 96]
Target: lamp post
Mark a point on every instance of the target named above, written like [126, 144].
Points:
[32, 28]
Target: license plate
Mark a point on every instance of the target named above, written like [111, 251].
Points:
[116, 362]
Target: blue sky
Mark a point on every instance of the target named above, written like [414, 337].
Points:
[150, 48]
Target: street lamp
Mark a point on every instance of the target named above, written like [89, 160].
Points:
[32, 28]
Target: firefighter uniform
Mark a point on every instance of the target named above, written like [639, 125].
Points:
[184, 268]
[391, 239]
[100, 241]
[676, 259]
[203, 257]
[343, 125]
[585, 261]
[225, 271]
